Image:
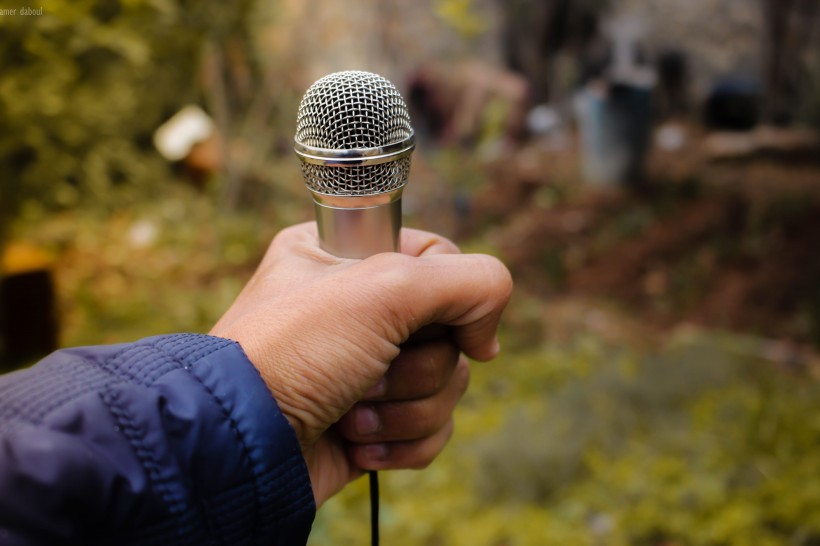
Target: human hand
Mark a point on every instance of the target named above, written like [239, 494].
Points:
[362, 344]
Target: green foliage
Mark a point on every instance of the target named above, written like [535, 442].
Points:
[703, 442]
[461, 15]
[152, 268]
[84, 86]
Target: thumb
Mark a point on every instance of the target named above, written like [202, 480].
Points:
[465, 291]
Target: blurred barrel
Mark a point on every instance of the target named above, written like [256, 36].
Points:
[615, 124]
[28, 318]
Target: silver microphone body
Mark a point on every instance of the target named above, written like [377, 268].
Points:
[354, 140]
[358, 227]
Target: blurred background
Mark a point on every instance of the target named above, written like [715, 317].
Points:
[648, 171]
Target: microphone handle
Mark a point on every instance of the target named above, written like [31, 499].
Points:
[358, 227]
[355, 227]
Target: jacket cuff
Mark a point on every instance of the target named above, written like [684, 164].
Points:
[274, 502]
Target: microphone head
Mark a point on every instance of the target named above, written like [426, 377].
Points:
[353, 135]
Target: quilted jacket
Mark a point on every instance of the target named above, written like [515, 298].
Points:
[170, 440]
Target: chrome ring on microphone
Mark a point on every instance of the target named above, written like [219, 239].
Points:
[356, 156]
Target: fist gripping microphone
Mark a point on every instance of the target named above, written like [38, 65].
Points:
[354, 140]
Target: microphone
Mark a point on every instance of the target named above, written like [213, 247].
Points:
[354, 140]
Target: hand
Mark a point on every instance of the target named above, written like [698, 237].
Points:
[405, 420]
[323, 332]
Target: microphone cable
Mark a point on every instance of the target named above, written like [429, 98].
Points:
[374, 508]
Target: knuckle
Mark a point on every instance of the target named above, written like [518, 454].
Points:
[287, 234]
[391, 278]
[427, 422]
[438, 366]
[500, 277]
[431, 376]
[423, 462]
[431, 243]
[462, 375]
[422, 455]
[447, 246]
[391, 270]
[290, 236]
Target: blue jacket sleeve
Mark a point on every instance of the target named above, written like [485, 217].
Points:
[169, 440]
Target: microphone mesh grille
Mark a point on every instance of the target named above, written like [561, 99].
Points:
[349, 110]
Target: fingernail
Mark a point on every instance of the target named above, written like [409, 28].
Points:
[378, 390]
[367, 420]
[376, 452]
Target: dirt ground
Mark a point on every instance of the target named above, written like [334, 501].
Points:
[722, 234]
